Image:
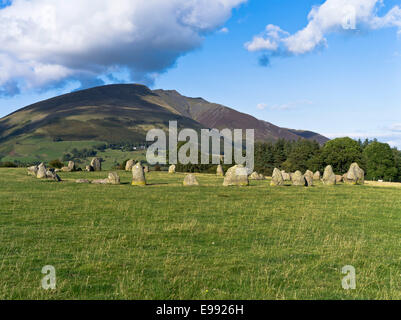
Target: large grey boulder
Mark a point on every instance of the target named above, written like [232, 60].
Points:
[277, 178]
[190, 180]
[96, 164]
[298, 179]
[114, 178]
[329, 178]
[138, 175]
[41, 173]
[236, 176]
[355, 175]
[220, 171]
[171, 169]
[129, 165]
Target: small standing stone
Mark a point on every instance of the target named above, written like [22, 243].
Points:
[114, 178]
[316, 176]
[96, 164]
[355, 175]
[190, 180]
[171, 169]
[138, 175]
[277, 178]
[329, 178]
[220, 171]
[32, 171]
[41, 173]
[298, 179]
[286, 176]
[129, 165]
[89, 168]
[236, 176]
[256, 176]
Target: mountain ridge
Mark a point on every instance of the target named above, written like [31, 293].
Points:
[125, 112]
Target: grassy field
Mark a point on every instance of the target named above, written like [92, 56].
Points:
[166, 241]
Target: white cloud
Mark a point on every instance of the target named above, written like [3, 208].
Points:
[261, 106]
[224, 30]
[47, 41]
[285, 106]
[331, 16]
[390, 135]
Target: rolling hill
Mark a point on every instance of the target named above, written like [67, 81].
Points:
[122, 113]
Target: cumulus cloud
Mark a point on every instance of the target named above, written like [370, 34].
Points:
[331, 16]
[46, 42]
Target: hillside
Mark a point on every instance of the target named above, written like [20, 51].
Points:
[122, 113]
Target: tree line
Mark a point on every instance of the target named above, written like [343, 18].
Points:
[378, 160]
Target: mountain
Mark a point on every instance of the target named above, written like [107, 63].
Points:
[124, 113]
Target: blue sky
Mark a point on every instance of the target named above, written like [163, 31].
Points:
[348, 84]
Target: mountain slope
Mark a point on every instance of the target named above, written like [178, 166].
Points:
[124, 113]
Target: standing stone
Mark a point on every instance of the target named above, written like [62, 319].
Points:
[129, 165]
[355, 175]
[33, 171]
[171, 169]
[316, 176]
[190, 180]
[308, 180]
[146, 168]
[96, 164]
[277, 178]
[329, 178]
[138, 176]
[220, 171]
[71, 165]
[114, 178]
[236, 176]
[52, 175]
[41, 174]
[89, 168]
[309, 173]
[339, 178]
[298, 179]
[285, 175]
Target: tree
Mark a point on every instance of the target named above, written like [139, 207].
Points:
[300, 156]
[340, 153]
[380, 162]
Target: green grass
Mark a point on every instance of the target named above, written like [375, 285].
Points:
[33, 149]
[166, 241]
